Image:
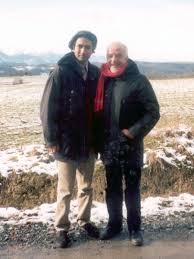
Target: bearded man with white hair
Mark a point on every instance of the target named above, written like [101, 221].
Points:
[126, 110]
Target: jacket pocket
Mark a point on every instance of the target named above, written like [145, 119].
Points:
[130, 113]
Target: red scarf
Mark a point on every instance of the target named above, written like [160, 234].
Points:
[105, 72]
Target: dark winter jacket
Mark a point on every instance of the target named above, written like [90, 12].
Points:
[67, 109]
[129, 103]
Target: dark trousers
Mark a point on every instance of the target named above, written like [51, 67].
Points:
[114, 196]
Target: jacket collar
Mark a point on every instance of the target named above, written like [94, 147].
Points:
[131, 70]
[70, 60]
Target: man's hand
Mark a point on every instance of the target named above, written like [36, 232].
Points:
[53, 149]
[127, 133]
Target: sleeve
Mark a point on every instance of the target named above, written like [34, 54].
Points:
[151, 111]
[50, 108]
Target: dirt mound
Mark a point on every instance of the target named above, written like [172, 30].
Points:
[28, 190]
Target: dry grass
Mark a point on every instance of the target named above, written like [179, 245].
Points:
[19, 109]
[176, 98]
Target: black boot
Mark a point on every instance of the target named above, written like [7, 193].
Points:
[136, 238]
[91, 230]
[62, 239]
[111, 231]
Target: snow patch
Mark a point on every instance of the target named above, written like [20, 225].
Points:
[151, 206]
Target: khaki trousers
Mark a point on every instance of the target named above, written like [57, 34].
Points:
[67, 173]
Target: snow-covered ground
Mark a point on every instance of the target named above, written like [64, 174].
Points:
[29, 158]
[152, 206]
[177, 149]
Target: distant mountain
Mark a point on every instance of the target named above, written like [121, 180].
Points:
[29, 59]
[166, 69]
[36, 64]
[3, 57]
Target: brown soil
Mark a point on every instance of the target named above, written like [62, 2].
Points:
[28, 190]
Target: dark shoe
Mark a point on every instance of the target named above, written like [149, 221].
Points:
[136, 238]
[91, 230]
[62, 240]
[110, 232]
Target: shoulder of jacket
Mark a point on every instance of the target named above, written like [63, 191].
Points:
[94, 67]
[55, 70]
[142, 79]
[61, 70]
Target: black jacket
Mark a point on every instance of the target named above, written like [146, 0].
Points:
[67, 109]
[129, 103]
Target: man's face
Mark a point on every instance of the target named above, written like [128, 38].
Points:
[116, 57]
[83, 49]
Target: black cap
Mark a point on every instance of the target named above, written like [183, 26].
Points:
[85, 34]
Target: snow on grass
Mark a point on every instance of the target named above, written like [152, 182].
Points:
[151, 206]
[168, 206]
[30, 158]
[177, 149]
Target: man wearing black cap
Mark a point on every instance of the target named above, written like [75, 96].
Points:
[67, 120]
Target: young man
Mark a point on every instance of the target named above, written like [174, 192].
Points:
[67, 120]
[129, 110]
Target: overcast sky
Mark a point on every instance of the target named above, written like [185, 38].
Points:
[153, 30]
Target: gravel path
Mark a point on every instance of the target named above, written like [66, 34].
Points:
[43, 235]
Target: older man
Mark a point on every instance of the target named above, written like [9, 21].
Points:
[67, 119]
[129, 110]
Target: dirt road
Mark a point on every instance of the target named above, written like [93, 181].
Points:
[115, 250]
[171, 246]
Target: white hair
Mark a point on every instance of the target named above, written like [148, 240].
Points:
[119, 45]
